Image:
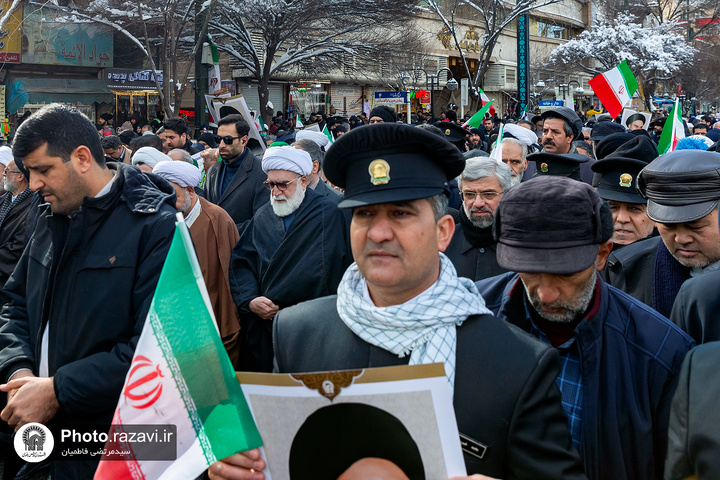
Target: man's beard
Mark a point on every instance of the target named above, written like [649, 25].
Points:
[8, 186]
[283, 209]
[515, 178]
[479, 222]
[567, 311]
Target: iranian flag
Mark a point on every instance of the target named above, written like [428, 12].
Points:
[485, 101]
[214, 84]
[615, 88]
[673, 131]
[180, 375]
[476, 120]
[298, 122]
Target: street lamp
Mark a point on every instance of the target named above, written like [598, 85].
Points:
[432, 80]
[564, 88]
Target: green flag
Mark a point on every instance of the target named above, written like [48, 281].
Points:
[328, 134]
[180, 368]
[477, 119]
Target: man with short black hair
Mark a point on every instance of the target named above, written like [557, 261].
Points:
[620, 359]
[176, 134]
[236, 183]
[69, 331]
[115, 151]
[700, 129]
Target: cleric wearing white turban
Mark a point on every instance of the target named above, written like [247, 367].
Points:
[318, 137]
[147, 157]
[287, 158]
[182, 173]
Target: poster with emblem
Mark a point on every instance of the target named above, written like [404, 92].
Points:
[392, 422]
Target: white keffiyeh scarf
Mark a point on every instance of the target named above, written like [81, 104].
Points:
[424, 325]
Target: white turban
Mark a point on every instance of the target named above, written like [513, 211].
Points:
[287, 158]
[182, 173]
[523, 134]
[317, 137]
[6, 155]
[150, 156]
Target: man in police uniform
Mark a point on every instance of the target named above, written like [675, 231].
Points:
[402, 295]
[683, 189]
[618, 172]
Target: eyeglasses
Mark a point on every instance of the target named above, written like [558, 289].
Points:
[16, 172]
[487, 196]
[227, 139]
[282, 186]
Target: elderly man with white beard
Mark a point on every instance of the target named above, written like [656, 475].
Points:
[295, 248]
[472, 249]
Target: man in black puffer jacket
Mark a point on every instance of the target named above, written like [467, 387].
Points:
[83, 286]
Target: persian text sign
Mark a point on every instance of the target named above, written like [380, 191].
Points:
[52, 41]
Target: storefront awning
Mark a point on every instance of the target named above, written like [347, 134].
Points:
[21, 91]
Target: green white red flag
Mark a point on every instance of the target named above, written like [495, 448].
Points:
[673, 131]
[214, 84]
[615, 88]
[181, 375]
[476, 120]
[298, 122]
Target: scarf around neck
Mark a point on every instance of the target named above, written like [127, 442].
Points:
[424, 326]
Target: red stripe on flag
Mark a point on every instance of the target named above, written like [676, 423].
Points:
[607, 96]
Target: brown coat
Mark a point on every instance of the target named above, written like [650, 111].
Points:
[214, 234]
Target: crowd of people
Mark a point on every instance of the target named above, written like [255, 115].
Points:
[559, 268]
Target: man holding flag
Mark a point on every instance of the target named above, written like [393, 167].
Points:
[83, 286]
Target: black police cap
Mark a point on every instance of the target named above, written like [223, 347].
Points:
[557, 164]
[391, 162]
[681, 186]
[453, 132]
[620, 169]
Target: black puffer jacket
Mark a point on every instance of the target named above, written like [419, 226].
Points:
[95, 292]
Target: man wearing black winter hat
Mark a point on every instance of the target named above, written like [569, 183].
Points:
[620, 360]
[402, 295]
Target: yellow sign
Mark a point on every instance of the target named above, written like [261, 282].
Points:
[10, 35]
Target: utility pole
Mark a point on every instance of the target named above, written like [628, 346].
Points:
[201, 70]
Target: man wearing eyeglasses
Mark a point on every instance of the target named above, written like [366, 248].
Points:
[236, 182]
[294, 249]
[472, 249]
[14, 209]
